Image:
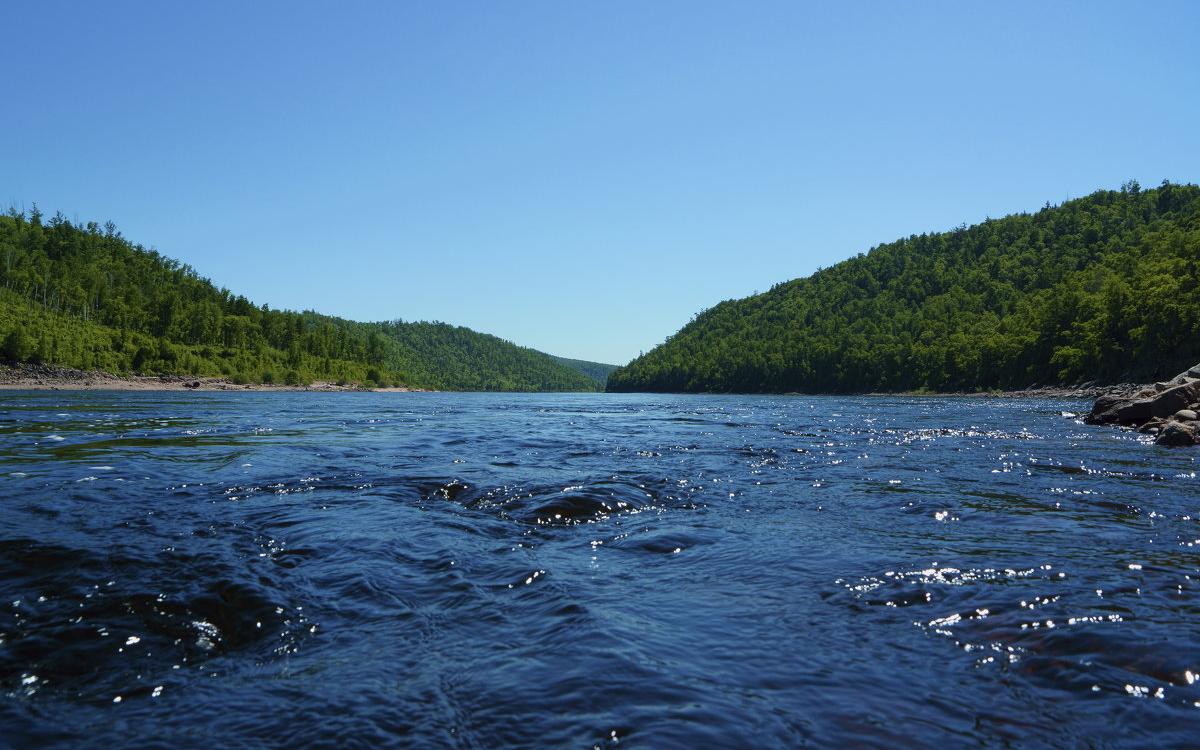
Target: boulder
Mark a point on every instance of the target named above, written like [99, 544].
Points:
[1153, 426]
[1191, 372]
[1177, 434]
[1150, 408]
[1104, 410]
[1138, 412]
[1173, 399]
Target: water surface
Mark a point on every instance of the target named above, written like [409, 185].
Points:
[480, 570]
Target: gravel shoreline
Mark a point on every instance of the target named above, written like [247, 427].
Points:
[1087, 391]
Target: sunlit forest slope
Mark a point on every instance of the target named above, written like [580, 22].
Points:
[1103, 288]
[83, 296]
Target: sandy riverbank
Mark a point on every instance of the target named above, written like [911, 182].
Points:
[49, 378]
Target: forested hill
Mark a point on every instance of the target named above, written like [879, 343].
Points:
[1101, 288]
[597, 371]
[83, 296]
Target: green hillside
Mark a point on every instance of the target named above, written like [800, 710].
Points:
[1102, 288]
[595, 370]
[85, 297]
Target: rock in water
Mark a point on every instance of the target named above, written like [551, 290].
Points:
[1186, 415]
[1137, 412]
[1153, 426]
[1173, 399]
[1164, 400]
[1177, 434]
[1104, 407]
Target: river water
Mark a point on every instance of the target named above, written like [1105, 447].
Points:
[589, 570]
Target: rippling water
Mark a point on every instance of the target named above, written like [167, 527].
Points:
[476, 570]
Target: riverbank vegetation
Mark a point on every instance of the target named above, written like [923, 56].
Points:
[1104, 288]
[83, 296]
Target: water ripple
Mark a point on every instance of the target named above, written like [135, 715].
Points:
[474, 570]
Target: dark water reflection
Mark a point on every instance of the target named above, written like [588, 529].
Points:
[472, 570]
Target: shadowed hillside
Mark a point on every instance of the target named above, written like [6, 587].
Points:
[597, 371]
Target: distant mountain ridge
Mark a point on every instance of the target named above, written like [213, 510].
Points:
[597, 371]
[1103, 288]
[83, 296]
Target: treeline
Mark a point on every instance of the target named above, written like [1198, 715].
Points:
[83, 296]
[1104, 288]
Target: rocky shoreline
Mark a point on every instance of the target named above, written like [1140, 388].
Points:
[1083, 391]
[1169, 410]
[50, 378]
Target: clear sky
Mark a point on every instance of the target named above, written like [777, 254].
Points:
[580, 177]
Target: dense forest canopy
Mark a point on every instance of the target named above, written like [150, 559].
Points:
[83, 296]
[1101, 288]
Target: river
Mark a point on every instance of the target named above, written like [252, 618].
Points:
[591, 570]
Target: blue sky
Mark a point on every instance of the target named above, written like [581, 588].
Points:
[577, 177]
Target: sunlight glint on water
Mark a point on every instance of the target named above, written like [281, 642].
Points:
[582, 570]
